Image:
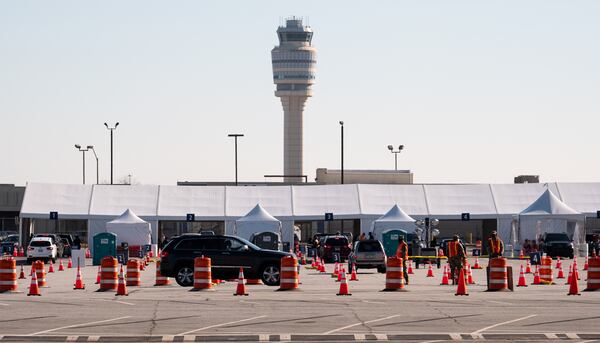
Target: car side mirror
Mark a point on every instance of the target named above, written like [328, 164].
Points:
[245, 248]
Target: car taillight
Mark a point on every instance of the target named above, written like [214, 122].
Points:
[164, 254]
[327, 246]
[48, 248]
[31, 248]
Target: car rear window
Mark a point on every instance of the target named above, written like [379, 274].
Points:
[336, 241]
[40, 244]
[557, 237]
[368, 247]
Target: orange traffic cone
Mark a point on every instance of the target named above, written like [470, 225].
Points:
[88, 253]
[78, 281]
[522, 281]
[22, 275]
[70, 264]
[336, 270]
[241, 287]
[430, 271]
[570, 277]
[470, 276]
[462, 285]
[322, 268]
[31, 270]
[15, 251]
[339, 278]
[34, 289]
[585, 265]
[561, 275]
[98, 276]
[51, 268]
[536, 277]
[121, 286]
[528, 267]
[410, 268]
[558, 263]
[344, 290]
[476, 265]
[574, 289]
[61, 268]
[353, 276]
[445, 276]
[21, 252]
[521, 256]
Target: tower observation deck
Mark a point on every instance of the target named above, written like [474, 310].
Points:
[294, 62]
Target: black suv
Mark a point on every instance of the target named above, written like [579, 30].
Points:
[227, 254]
[556, 244]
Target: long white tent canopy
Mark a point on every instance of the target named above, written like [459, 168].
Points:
[101, 203]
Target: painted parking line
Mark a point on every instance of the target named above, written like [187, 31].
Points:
[219, 325]
[499, 324]
[357, 324]
[78, 325]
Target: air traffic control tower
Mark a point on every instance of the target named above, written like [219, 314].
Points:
[294, 62]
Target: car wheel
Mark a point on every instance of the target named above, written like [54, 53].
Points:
[270, 275]
[185, 276]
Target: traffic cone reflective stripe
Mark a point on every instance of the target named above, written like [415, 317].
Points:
[99, 275]
[344, 290]
[445, 276]
[574, 287]
[70, 264]
[78, 281]
[22, 275]
[410, 268]
[336, 270]
[51, 268]
[522, 281]
[476, 265]
[536, 277]
[241, 287]
[34, 289]
[570, 275]
[558, 263]
[61, 268]
[585, 265]
[121, 286]
[353, 277]
[462, 285]
[430, 271]
[470, 276]
[339, 275]
[561, 275]
[528, 267]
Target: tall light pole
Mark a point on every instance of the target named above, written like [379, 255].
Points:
[91, 147]
[391, 149]
[111, 129]
[235, 137]
[78, 147]
[342, 151]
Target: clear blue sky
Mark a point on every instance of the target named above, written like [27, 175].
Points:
[477, 91]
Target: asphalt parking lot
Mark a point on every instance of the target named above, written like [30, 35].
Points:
[426, 312]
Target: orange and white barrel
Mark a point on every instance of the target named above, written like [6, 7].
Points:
[593, 274]
[288, 275]
[394, 275]
[8, 275]
[161, 280]
[546, 270]
[202, 273]
[109, 273]
[133, 273]
[498, 278]
[40, 272]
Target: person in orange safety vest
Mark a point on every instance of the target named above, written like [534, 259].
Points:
[456, 257]
[495, 246]
[402, 252]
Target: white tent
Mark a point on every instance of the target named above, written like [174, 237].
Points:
[130, 228]
[257, 220]
[395, 218]
[549, 214]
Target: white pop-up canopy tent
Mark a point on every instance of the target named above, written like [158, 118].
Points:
[395, 218]
[130, 228]
[549, 214]
[257, 220]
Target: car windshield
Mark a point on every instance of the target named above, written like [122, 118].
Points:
[40, 243]
[368, 247]
[336, 241]
[557, 237]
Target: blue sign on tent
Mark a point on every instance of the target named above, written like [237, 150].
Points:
[190, 217]
[465, 216]
[328, 217]
[53, 215]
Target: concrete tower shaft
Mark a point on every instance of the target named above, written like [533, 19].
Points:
[294, 62]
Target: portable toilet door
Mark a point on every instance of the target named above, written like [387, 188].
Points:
[389, 239]
[105, 244]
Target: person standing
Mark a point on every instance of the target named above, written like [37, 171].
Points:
[362, 237]
[495, 246]
[456, 257]
[402, 252]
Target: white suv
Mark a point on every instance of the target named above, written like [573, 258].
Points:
[41, 248]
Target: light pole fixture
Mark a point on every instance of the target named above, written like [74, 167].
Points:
[342, 152]
[235, 137]
[78, 147]
[91, 147]
[111, 129]
[391, 149]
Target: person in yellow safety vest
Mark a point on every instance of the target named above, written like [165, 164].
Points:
[402, 252]
[495, 246]
[456, 257]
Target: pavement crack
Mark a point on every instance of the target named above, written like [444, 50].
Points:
[153, 320]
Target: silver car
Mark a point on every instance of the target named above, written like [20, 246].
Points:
[368, 254]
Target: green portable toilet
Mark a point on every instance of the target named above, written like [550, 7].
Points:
[105, 244]
[389, 239]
